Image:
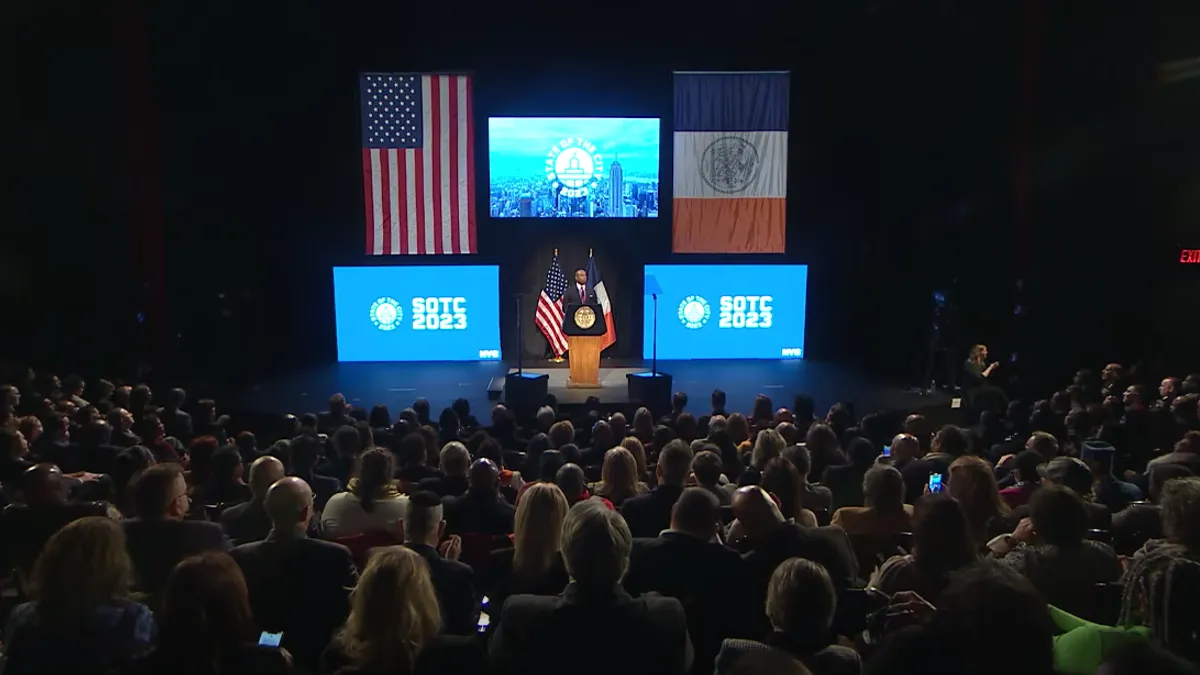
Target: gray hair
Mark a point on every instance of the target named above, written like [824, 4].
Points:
[454, 459]
[595, 544]
[546, 414]
[883, 488]
[767, 446]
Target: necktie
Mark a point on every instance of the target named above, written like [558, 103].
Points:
[583, 294]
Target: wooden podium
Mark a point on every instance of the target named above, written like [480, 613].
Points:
[584, 327]
[584, 360]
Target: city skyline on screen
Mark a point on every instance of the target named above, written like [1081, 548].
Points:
[573, 167]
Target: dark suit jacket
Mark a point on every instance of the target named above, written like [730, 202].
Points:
[649, 514]
[571, 296]
[444, 486]
[99, 458]
[157, 546]
[750, 656]
[299, 586]
[478, 513]
[454, 583]
[828, 546]
[581, 634]
[499, 583]
[696, 573]
[1098, 517]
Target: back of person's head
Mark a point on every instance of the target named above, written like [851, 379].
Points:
[483, 476]
[347, 442]
[718, 399]
[619, 471]
[1180, 503]
[289, 504]
[305, 450]
[635, 448]
[545, 417]
[264, 471]
[1058, 516]
[679, 401]
[412, 450]
[972, 482]
[674, 464]
[662, 435]
[697, 512]
[596, 544]
[571, 479]
[643, 422]
[226, 465]
[246, 443]
[800, 458]
[421, 407]
[337, 404]
[1044, 444]
[205, 613]
[96, 432]
[801, 602]
[951, 440]
[200, 453]
[375, 470]
[455, 461]
[942, 540]
[548, 465]
[782, 480]
[862, 452]
[156, 491]
[883, 489]
[1026, 464]
[394, 613]
[706, 465]
[448, 421]
[380, 417]
[767, 446]
[491, 449]
[821, 439]
[423, 520]
[82, 565]
[561, 433]
[602, 435]
[988, 604]
[537, 529]
[763, 408]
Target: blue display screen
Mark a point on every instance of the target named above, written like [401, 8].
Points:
[573, 167]
[727, 311]
[443, 313]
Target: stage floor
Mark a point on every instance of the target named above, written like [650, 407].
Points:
[397, 384]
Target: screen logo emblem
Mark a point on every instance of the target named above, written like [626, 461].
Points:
[571, 166]
[694, 311]
[386, 313]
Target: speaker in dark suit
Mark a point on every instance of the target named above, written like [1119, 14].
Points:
[577, 292]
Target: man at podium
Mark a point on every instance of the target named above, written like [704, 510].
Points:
[577, 294]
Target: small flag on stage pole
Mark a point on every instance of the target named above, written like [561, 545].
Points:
[601, 295]
[549, 316]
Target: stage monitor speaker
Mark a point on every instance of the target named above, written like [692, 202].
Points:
[652, 390]
[524, 393]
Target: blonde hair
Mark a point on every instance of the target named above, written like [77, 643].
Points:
[537, 529]
[768, 445]
[976, 356]
[393, 612]
[635, 448]
[738, 428]
[972, 482]
[618, 475]
[83, 565]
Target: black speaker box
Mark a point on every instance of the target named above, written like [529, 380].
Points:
[524, 393]
[651, 390]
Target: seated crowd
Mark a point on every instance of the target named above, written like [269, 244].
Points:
[1057, 537]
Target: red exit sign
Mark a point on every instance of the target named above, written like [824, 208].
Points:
[1189, 256]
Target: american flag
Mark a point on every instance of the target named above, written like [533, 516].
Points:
[549, 316]
[418, 163]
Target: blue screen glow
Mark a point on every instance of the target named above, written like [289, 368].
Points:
[727, 311]
[573, 167]
[443, 313]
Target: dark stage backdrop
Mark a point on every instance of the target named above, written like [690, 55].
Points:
[931, 145]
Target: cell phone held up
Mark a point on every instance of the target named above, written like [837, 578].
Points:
[935, 483]
[266, 639]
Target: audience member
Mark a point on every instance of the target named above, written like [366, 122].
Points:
[453, 581]
[942, 544]
[298, 586]
[80, 618]
[455, 465]
[25, 528]
[305, 454]
[649, 514]
[533, 564]
[395, 625]
[845, 482]
[885, 513]
[949, 444]
[970, 480]
[539, 634]
[481, 510]
[372, 501]
[159, 537]
[619, 478]
[206, 625]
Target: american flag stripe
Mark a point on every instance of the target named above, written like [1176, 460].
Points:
[418, 177]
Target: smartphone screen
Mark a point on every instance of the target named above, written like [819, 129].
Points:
[484, 622]
[887, 451]
[935, 482]
[266, 639]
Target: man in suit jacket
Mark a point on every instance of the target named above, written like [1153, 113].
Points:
[159, 537]
[482, 510]
[298, 586]
[769, 539]
[948, 445]
[594, 626]
[578, 292]
[650, 514]
[453, 581]
[687, 563]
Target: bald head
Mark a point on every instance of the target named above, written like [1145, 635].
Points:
[756, 510]
[43, 484]
[264, 471]
[484, 476]
[289, 503]
[905, 447]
